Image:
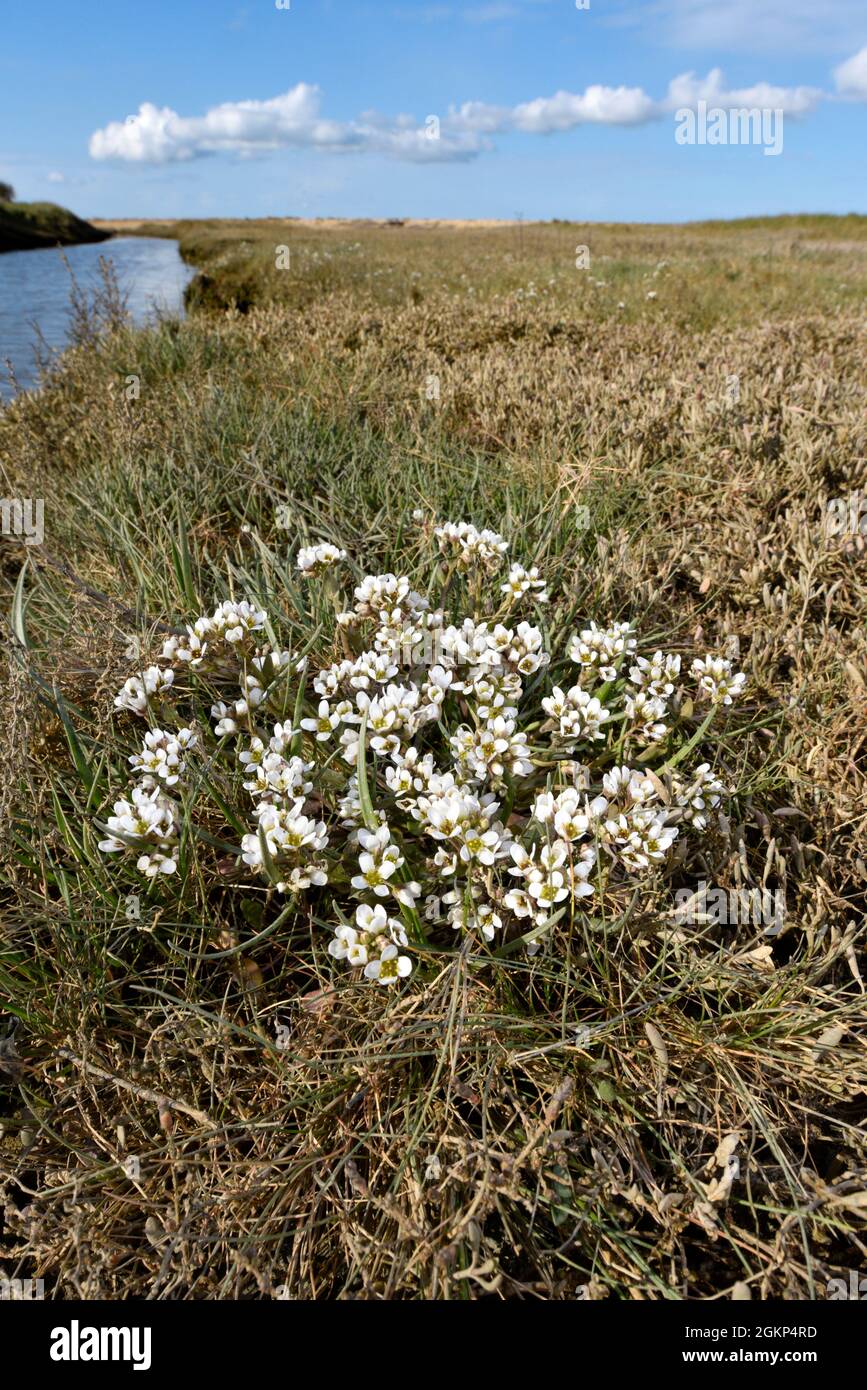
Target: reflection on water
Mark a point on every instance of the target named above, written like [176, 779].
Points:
[34, 291]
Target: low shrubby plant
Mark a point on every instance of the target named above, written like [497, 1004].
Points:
[433, 776]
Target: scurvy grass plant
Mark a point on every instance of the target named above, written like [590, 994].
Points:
[705, 520]
[435, 775]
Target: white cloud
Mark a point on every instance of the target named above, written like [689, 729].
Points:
[851, 76]
[479, 117]
[598, 105]
[625, 105]
[158, 135]
[55, 177]
[687, 90]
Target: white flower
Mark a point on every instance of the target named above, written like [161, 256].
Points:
[377, 862]
[569, 822]
[627, 785]
[406, 893]
[371, 919]
[324, 724]
[344, 939]
[303, 876]
[519, 902]
[155, 863]
[483, 847]
[273, 661]
[548, 890]
[225, 723]
[525, 651]
[521, 581]
[389, 968]
[190, 649]
[479, 917]
[436, 688]
[642, 836]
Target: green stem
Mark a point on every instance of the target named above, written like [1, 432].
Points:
[688, 747]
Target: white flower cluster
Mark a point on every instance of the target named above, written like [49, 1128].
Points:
[555, 875]
[230, 622]
[651, 682]
[469, 546]
[138, 690]
[271, 775]
[255, 685]
[379, 594]
[627, 823]
[716, 681]
[373, 943]
[147, 821]
[697, 796]
[495, 658]
[454, 795]
[578, 714]
[162, 754]
[521, 582]
[599, 650]
[315, 559]
[290, 840]
[491, 750]
[276, 783]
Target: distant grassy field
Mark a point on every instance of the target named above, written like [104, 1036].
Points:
[670, 423]
[726, 273]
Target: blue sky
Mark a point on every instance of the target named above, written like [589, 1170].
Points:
[218, 108]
